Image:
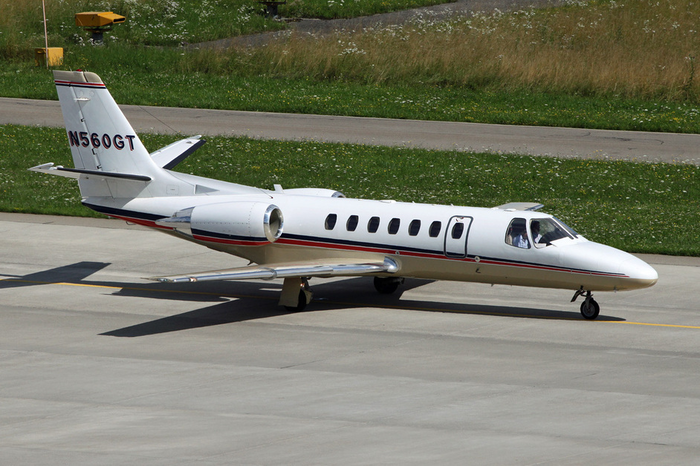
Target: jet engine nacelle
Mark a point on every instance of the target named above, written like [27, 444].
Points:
[238, 221]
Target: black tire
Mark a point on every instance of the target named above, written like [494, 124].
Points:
[386, 285]
[301, 303]
[590, 309]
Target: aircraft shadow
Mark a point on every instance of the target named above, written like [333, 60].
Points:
[218, 314]
[346, 294]
[73, 273]
[228, 312]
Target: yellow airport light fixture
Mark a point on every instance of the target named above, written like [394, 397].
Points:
[98, 22]
[51, 56]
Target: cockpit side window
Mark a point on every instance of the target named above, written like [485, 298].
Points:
[516, 235]
[546, 230]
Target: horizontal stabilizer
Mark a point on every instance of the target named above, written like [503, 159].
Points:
[169, 156]
[531, 206]
[78, 172]
[298, 269]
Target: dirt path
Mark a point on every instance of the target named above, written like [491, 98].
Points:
[320, 26]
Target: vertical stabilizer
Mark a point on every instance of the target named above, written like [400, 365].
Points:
[100, 137]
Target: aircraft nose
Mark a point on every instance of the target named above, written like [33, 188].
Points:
[641, 274]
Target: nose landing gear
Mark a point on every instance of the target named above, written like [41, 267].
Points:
[589, 307]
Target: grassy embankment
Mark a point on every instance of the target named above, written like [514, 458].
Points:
[600, 65]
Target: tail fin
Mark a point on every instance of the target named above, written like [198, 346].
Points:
[101, 138]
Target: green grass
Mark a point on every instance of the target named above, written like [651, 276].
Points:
[638, 207]
[500, 68]
[153, 79]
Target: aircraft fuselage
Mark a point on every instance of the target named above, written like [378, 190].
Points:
[418, 237]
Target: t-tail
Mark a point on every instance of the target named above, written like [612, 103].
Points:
[109, 158]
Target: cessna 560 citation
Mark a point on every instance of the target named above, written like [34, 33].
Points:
[296, 234]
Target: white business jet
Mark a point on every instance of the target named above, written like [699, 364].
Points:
[296, 234]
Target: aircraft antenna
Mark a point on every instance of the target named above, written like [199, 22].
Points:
[161, 121]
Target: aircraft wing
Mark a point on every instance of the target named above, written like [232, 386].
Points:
[532, 206]
[297, 269]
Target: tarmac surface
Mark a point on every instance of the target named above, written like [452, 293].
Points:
[532, 140]
[99, 366]
[102, 367]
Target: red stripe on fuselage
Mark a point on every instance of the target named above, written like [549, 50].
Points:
[140, 221]
[71, 83]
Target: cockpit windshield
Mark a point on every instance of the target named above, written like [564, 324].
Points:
[567, 228]
[541, 232]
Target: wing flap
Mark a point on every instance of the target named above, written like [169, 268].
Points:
[299, 269]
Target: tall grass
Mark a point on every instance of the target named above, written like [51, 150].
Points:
[638, 48]
[644, 49]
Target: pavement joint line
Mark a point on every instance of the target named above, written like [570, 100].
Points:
[381, 306]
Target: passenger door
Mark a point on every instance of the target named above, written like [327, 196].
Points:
[456, 235]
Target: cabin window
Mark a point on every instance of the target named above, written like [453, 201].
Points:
[330, 221]
[373, 225]
[394, 226]
[457, 230]
[414, 228]
[435, 228]
[516, 235]
[351, 224]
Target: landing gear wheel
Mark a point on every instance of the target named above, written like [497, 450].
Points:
[387, 285]
[296, 294]
[301, 304]
[590, 309]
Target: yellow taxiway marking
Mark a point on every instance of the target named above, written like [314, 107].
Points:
[652, 325]
[384, 306]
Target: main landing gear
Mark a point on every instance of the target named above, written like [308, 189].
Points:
[387, 285]
[296, 294]
[589, 307]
